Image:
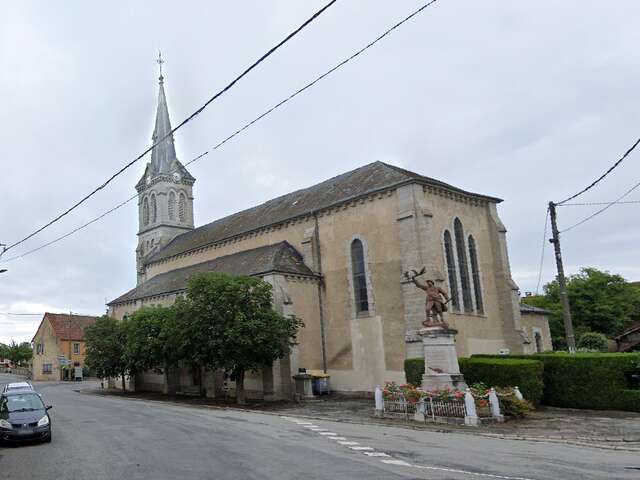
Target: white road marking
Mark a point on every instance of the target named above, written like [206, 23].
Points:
[330, 434]
[310, 426]
[337, 438]
[319, 429]
[376, 454]
[397, 462]
[348, 443]
[487, 475]
[362, 449]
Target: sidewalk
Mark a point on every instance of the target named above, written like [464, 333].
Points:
[602, 429]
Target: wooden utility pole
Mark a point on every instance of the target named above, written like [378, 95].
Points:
[562, 283]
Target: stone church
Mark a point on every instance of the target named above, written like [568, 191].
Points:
[335, 253]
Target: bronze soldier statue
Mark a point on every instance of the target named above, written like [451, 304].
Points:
[435, 305]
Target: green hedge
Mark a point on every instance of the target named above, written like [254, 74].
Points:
[505, 372]
[590, 380]
[586, 380]
[413, 370]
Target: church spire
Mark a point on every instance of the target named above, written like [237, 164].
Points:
[164, 153]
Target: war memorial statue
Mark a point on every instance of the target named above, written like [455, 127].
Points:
[436, 301]
[438, 339]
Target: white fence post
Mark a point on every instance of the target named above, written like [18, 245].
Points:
[379, 402]
[471, 416]
[495, 405]
[517, 393]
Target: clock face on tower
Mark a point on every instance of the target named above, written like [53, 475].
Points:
[148, 179]
[176, 177]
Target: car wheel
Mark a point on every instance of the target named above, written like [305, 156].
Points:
[48, 439]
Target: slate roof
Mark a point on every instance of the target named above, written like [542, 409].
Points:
[279, 258]
[377, 176]
[524, 308]
[66, 326]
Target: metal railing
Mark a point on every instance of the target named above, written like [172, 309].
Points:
[435, 407]
[398, 406]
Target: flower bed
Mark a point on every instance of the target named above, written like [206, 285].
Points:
[406, 400]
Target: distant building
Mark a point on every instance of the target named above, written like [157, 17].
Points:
[535, 323]
[58, 335]
[629, 341]
[335, 254]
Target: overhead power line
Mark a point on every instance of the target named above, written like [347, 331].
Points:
[593, 184]
[598, 203]
[240, 130]
[598, 212]
[544, 244]
[180, 125]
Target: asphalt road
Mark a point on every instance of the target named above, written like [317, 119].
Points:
[97, 437]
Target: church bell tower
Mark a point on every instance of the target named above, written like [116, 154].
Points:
[165, 191]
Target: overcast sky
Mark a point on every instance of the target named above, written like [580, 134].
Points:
[527, 101]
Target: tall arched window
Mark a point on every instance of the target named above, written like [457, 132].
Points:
[182, 207]
[172, 206]
[451, 270]
[145, 211]
[463, 266]
[154, 209]
[475, 273]
[359, 277]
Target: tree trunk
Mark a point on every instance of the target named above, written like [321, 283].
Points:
[240, 387]
[124, 385]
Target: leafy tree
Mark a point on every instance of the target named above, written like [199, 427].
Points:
[105, 343]
[600, 302]
[152, 339]
[593, 341]
[228, 322]
[19, 352]
[4, 351]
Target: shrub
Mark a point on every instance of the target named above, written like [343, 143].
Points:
[413, 370]
[587, 380]
[506, 372]
[593, 341]
[590, 380]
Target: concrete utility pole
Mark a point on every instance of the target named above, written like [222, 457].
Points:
[562, 283]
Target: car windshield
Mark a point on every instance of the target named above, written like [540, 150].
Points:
[25, 402]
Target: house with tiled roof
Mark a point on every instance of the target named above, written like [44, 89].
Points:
[59, 335]
[335, 253]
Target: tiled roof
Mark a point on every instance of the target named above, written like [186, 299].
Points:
[377, 176]
[524, 308]
[280, 258]
[68, 327]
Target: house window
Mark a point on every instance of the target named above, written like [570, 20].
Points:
[145, 211]
[182, 207]
[475, 273]
[46, 368]
[361, 296]
[39, 348]
[463, 266]
[172, 206]
[451, 270]
[154, 209]
[76, 348]
[537, 337]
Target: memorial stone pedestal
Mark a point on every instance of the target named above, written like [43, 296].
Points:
[441, 368]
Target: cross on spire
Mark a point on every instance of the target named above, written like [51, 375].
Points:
[160, 61]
